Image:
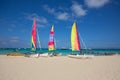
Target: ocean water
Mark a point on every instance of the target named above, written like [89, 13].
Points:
[62, 52]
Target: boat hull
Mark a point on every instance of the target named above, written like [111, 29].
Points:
[81, 56]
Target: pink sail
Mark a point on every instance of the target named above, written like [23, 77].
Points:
[51, 40]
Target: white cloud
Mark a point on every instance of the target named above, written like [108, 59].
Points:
[14, 39]
[13, 42]
[4, 43]
[41, 25]
[62, 16]
[96, 3]
[10, 29]
[58, 14]
[9, 40]
[78, 10]
[63, 13]
[39, 19]
[42, 20]
[49, 10]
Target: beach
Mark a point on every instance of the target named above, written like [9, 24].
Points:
[59, 68]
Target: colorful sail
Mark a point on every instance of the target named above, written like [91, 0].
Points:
[51, 40]
[33, 40]
[75, 44]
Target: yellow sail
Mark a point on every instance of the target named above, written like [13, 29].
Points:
[75, 44]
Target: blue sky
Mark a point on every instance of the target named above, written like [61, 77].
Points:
[98, 22]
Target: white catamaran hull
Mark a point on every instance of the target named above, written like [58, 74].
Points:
[34, 55]
[81, 56]
[44, 55]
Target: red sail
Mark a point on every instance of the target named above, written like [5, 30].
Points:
[34, 35]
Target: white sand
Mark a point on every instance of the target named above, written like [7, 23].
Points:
[59, 68]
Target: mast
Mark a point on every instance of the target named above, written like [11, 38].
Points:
[83, 41]
[55, 44]
[38, 40]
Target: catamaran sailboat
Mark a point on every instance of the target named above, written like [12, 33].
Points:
[75, 43]
[51, 44]
[33, 52]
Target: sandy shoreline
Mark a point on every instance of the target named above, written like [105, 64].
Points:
[59, 68]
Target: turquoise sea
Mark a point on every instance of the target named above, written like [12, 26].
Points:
[63, 52]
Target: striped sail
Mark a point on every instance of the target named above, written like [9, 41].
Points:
[75, 44]
[33, 40]
[51, 40]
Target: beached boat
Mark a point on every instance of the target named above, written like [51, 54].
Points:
[75, 44]
[33, 52]
[15, 54]
[33, 44]
[51, 44]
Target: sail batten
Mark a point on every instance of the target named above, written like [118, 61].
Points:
[51, 40]
[75, 44]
